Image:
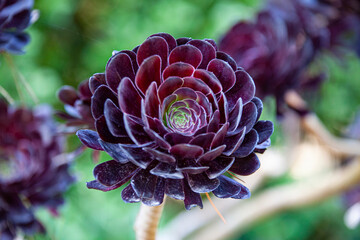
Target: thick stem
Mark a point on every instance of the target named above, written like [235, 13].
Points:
[147, 222]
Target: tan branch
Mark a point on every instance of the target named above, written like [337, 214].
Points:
[282, 198]
[197, 218]
[341, 146]
[312, 124]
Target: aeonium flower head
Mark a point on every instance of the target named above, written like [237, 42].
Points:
[33, 171]
[15, 17]
[274, 49]
[77, 105]
[175, 115]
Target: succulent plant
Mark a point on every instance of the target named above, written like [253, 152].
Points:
[279, 46]
[33, 169]
[77, 105]
[273, 53]
[175, 116]
[15, 17]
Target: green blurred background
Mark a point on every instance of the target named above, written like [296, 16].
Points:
[73, 39]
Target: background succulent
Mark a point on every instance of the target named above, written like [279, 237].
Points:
[77, 105]
[33, 171]
[15, 17]
[278, 48]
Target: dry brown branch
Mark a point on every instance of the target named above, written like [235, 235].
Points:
[147, 222]
[279, 199]
[341, 146]
[273, 164]
[312, 124]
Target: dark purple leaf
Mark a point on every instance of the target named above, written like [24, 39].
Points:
[98, 100]
[153, 46]
[137, 156]
[67, 95]
[219, 166]
[187, 54]
[209, 79]
[207, 50]
[248, 144]
[98, 186]
[169, 86]
[259, 107]
[211, 155]
[178, 69]
[112, 172]
[115, 151]
[129, 98]
[185, 93]
[169, 39]
[174, 189]
[135, 129]
[214, 122]
[161, 142]
[89, 138]
[160, 156]
[186, 151]
[149, 72]
[144, 184]
[233, 142]
[196, 85]
[243, 194]
[264, 130]
[223, 108]
[128, 195]
[200, 183]
[114, 119]
[96, 81]
[190, 166]
[192, 199]
[225, 57]
[245, 166]
[132, 56]
[248, 117]
[228, 187]
[244, 88]
[220, 136]
[118, 67]
[182, 41]
[152, 102]
[203, 140]
[158, 197]
[177, 138]
[223, 71]
[235, 115]
[166, 171]
[105, 134]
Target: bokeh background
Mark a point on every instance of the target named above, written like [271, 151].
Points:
[73, 39]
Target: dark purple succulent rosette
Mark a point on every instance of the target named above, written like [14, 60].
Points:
[274, 55]
[343, 20]
[175, 115]
[33, 171]
[15, 17]
[77, 104]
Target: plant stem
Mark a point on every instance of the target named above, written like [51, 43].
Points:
[18, 78]
[15, 76]
[147, 222]
[6, 95]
